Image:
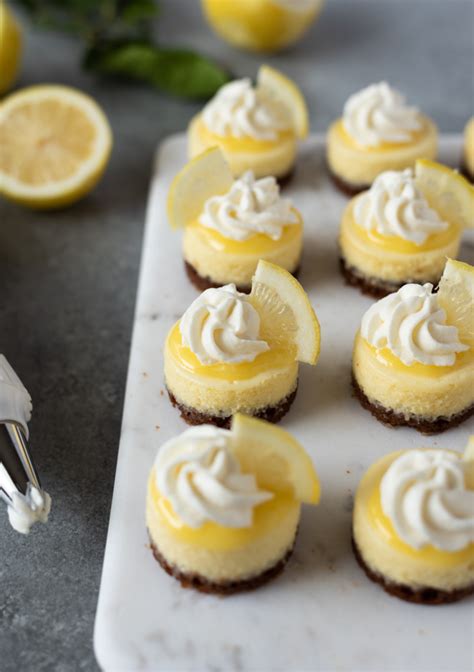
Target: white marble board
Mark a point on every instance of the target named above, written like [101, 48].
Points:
[322, 613]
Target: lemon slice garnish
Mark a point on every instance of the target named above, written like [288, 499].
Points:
[456, 297]
[448, 192]
[10, 48]
[278, 461]
[55, 143]
[204, 176]
[287, 318]
[281, 87]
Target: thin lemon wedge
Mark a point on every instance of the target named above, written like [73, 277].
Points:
[447, 191]
[10, 47]
[456, 297]
[204, 176]
[261, 25]
[278, 461]
[287, 319]
[56, 143]
[278, 85]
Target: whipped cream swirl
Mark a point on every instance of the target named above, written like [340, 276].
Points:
[202, 479]
[250, 207]
[26, 510]
[378, 114]
[394, 206]
[221, 325]
[413, 327]
[425, 496]
[240, 110]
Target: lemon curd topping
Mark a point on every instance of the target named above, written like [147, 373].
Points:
[393, 363]
[428, 555]
[258, 244]
[347, 139]
[215, 537]
[384, 243]
[245, 144]
[276, 357]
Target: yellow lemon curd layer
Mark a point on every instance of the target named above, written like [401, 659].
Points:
[219, 553]
[387, 554]
[421, 390]
[360, 165]
[392, 258]
[224, 260]
[264, 157]
[225, 389]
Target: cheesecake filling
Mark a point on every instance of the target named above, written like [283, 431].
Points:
[222, 326]
[250, 208]
[240, 110]
[198, 474]
[425, 496]
[378, 114]
[412, 326]
[395, 207]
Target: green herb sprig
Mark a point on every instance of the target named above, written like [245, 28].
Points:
[118, 41]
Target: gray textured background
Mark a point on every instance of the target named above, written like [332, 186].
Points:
[68, 282]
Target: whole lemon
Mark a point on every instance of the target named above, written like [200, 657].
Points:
[261, 25]
[10, 48]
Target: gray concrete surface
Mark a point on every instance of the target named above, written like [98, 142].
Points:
[68, 282]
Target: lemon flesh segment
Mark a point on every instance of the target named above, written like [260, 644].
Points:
[447, 192]
[456, 297]
[287, 319]
[278, 461]
[56, 142]
[10, 48]
[204, 176]
[278, 85]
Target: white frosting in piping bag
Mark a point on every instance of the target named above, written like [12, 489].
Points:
[250, 207]
[221, 325]
[424, 494]
[25, 511]
[199, 475]
[394, 206]
[411, 324]
[240, 110]
[378, 114]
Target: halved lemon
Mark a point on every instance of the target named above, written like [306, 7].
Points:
[55, 142]
[279, 86]
[278, 461]
[288, 320]
[261, 25]
[204, 176]
[10, 47]
[456, 297]
[447, 191]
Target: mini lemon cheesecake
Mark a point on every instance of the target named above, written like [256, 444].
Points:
[229, 225]
[233, 352]
[413, 360]
[223, 506]
[413, 524]
[256, 127]
[391, 236]
[377, 132]
[468, 155]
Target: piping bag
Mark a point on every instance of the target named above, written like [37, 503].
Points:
[20, 486]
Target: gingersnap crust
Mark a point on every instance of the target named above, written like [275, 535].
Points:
[369, 286]
[346, 188]
[422, 595]
[392, 418]
[204, 585]
[203, 282]
[270, 413]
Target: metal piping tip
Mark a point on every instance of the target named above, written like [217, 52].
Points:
[20, 486]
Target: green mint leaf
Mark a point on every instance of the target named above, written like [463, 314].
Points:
[177, 71]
